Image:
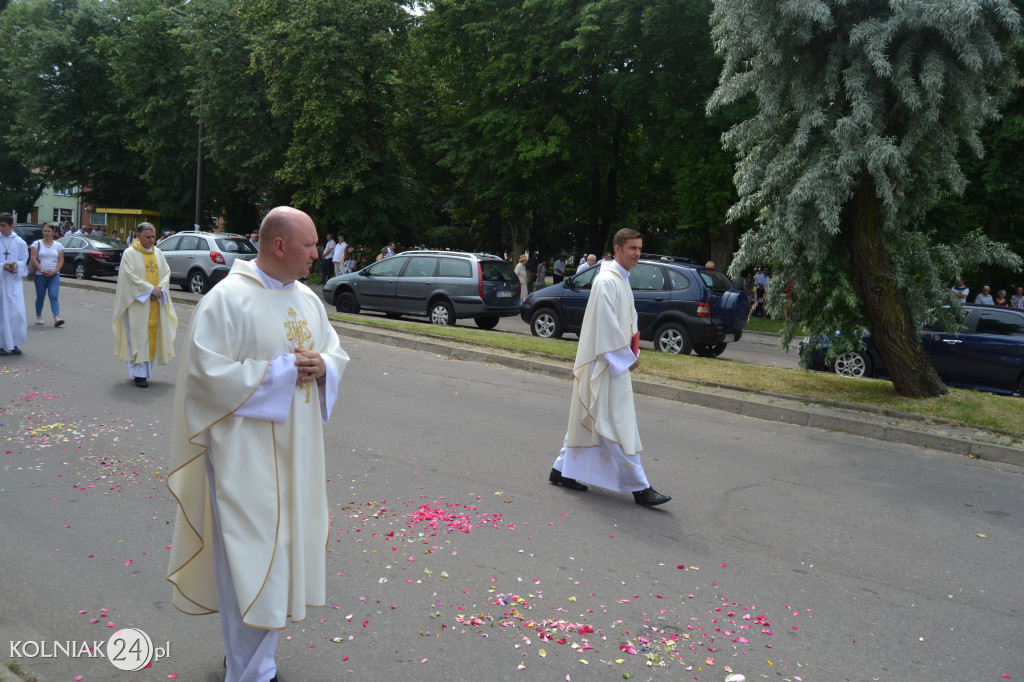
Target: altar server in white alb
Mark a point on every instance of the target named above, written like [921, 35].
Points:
[602, 444]
[144, 321]
[14, 256]
[258, 380]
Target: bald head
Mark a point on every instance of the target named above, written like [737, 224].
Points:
[287, 244]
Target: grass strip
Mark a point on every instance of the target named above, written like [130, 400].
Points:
[960, 407]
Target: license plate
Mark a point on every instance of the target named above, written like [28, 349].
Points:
[116, 267]
[504, 294]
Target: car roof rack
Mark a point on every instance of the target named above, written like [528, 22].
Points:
[669, 259]
[441, 252]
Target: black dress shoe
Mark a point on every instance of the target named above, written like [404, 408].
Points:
[557, 478]
[3, 351]
[272, 679]
[15, 351]
[649, 497]
[141, 382]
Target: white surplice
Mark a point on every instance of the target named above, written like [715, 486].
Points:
[13, 323]
[602, 443]
[131, 312]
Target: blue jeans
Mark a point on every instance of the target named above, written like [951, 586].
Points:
[47, 285]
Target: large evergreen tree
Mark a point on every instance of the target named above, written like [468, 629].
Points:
[862, 107]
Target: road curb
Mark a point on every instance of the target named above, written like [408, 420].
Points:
[889, 427]
[8, 675]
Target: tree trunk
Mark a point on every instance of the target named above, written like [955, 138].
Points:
[594, 217]
[492, 230]
[893, 333]
[517, 227]
[612, 191]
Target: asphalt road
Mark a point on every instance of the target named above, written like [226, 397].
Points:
[452, 558]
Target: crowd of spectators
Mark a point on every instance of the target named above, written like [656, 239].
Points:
[962, 293]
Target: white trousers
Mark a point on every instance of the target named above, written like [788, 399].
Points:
[249, 650]
[605, 465]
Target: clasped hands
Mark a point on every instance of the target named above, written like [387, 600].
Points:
[11, 267]
[311, 366]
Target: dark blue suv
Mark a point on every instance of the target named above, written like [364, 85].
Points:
[680, 305]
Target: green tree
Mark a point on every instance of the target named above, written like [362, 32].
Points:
[333, 71]
[862, 108]
[19, 186]
[244, 143]
[67, 122]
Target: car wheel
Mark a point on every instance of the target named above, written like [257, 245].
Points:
[486, 322]
[1020, 387]
[852, 364]
[673, 338]
[709, 350]
[197, 282]
[545, 324]
[80, 271]
[442, 313]
[346, 302]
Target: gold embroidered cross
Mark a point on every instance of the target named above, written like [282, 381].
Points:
[299, 334]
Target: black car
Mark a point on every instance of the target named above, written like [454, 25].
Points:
[987, 355]
[681, 306]
[87, 257]
[30, 232]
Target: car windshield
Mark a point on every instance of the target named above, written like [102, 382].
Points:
[235, 245]
[108, 243]
[498, 271]
[715, 280]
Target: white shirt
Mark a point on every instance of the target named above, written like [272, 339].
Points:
[339, 252]
[48, 256]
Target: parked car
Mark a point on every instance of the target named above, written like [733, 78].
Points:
[680, 304]
[88, 257]
[443, 285]
[198, 260]
[987, 355]
[30, 232]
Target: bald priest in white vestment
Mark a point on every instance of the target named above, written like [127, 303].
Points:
[602, 444]
[144, 320]
[259, 379]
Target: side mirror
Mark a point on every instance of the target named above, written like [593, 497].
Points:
[364, 273]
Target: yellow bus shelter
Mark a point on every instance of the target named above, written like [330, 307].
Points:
[121, 222]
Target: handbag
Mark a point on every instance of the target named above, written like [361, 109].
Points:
[31, 266]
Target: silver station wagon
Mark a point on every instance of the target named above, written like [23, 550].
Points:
[444, 286]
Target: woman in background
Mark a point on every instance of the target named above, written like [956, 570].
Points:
[520, 271]
[349, 259]
[47, 259]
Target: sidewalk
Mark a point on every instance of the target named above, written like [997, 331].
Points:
[884, 425]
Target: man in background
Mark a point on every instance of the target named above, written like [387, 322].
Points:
[144, 320]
